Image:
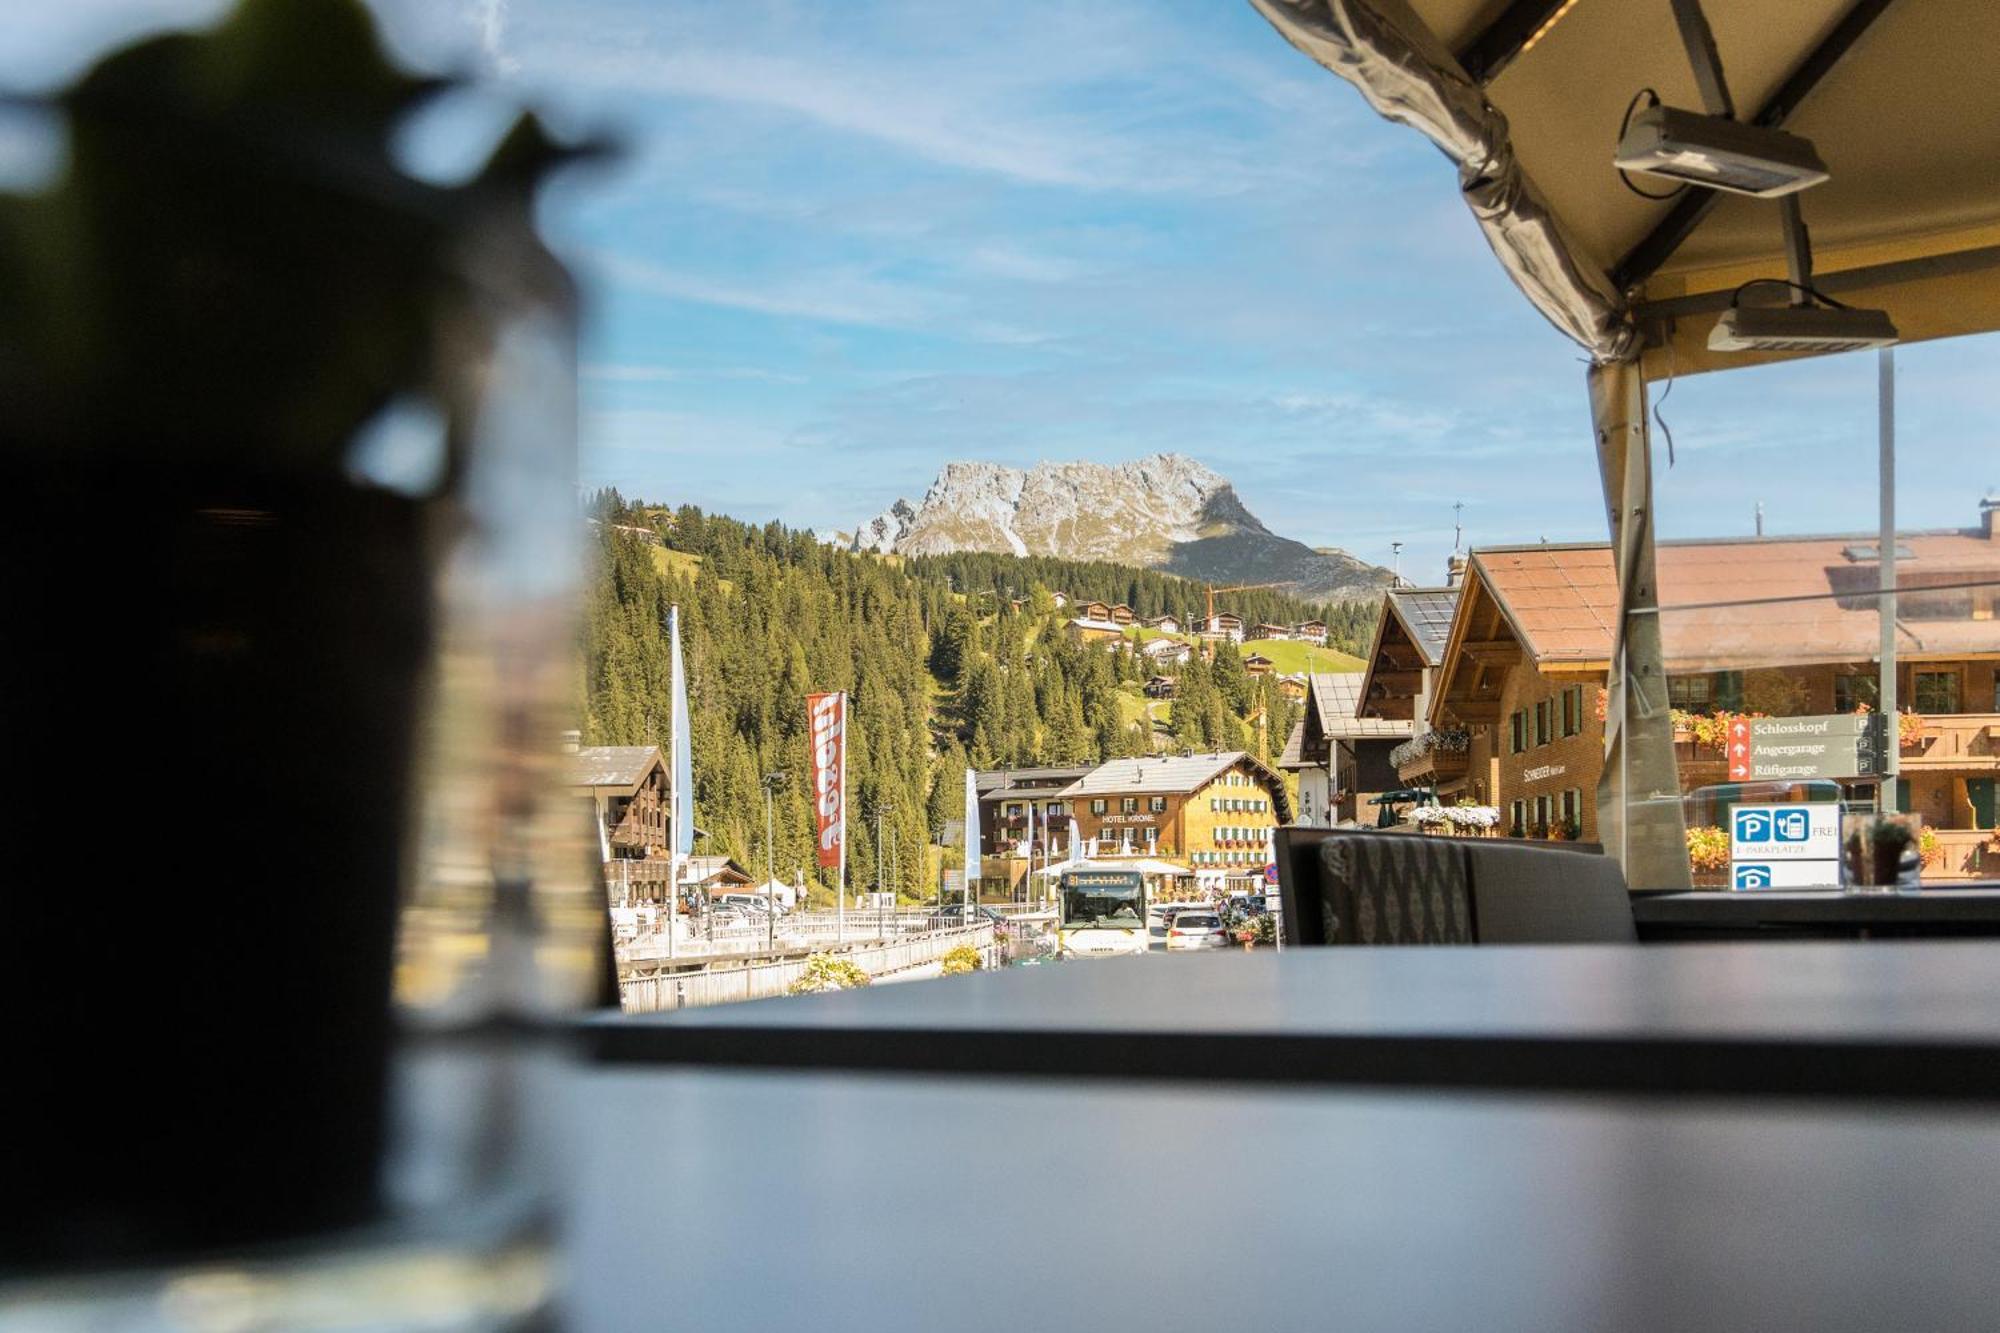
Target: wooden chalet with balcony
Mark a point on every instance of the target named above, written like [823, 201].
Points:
[1530, 642]
[1221, 626]
[626, 786]
[1410, 634]
[1342, 759]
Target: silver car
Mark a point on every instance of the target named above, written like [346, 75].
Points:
[1196, 930]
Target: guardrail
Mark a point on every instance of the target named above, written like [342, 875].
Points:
[686, 990]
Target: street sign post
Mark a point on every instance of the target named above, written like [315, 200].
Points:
[1833, 745]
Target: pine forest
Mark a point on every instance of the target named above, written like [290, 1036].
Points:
[947, 660]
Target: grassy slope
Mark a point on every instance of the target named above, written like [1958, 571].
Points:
[1291, 656]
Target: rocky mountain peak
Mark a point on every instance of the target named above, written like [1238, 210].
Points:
[1165, 511]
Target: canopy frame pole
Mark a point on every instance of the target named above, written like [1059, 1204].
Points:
[1699, 39]
[1647, 836]
[1885, 425]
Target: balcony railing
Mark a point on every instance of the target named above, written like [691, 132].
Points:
[1956, 740]
[1435, 754]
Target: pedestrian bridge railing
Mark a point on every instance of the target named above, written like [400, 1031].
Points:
[723, 985]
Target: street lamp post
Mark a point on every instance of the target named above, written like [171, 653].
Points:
[772, 781]
[880, 924]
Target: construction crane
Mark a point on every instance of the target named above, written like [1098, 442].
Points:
[1262, 718]
[1208, 645]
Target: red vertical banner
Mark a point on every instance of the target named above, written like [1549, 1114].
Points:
[827, 734]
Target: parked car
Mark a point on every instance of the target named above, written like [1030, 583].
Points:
[1161, 915]
[953, 914]
[1197, 930]
[746, 902]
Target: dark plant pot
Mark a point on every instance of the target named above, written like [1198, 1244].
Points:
[216, 708]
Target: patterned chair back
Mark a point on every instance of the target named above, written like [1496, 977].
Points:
[1391, 888]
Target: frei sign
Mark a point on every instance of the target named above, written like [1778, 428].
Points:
[1785, 846]
[1834, 745]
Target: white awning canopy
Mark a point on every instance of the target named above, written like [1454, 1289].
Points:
[1526, 98]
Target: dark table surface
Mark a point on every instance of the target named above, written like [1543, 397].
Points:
[713, 1198]
[1879, 1020]
[1941, 911]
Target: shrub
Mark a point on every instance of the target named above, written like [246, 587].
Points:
[1708, 848]
[825, 972]
[1928, 850]
[961, 959]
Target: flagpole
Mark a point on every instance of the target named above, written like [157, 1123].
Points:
[840, 901]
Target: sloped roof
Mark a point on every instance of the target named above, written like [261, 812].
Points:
[1292, 759]
[991, 783]
[713, 871]
[1426, 614]
[1174, 775]
[1336, 695]
[1562, 601]
[611, 765]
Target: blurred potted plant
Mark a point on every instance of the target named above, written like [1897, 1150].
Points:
[1875, 850]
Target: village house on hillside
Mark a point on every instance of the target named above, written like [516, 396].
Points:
[1088, 629]
[1221, 626]
[1166, 652]
[1164, 624]
[1530, 642]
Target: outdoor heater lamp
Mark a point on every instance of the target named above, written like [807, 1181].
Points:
[1800, 328]
[1718, 152]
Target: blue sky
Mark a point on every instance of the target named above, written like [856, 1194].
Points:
[855, 240]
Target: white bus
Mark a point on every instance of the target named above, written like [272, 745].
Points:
[1103, 913]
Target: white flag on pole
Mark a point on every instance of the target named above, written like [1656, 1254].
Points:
[971, 837]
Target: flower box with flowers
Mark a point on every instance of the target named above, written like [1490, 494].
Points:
[1463, 820]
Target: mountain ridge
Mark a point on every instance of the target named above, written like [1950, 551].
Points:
[1165, 511]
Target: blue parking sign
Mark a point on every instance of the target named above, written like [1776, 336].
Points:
[1753, 825]
[1750, 876]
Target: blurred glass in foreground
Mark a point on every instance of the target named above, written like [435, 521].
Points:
[288, 595]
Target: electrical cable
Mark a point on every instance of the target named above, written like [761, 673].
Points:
[1624, 124]
[1736, 296]
[1662, 402]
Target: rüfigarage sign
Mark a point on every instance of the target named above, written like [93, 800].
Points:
[828, 738]
[1836, 745]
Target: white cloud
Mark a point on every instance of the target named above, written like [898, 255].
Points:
[835, 296]
[648, 374]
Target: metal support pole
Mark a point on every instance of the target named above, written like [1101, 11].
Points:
[1885, 365]
[1704, 58]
